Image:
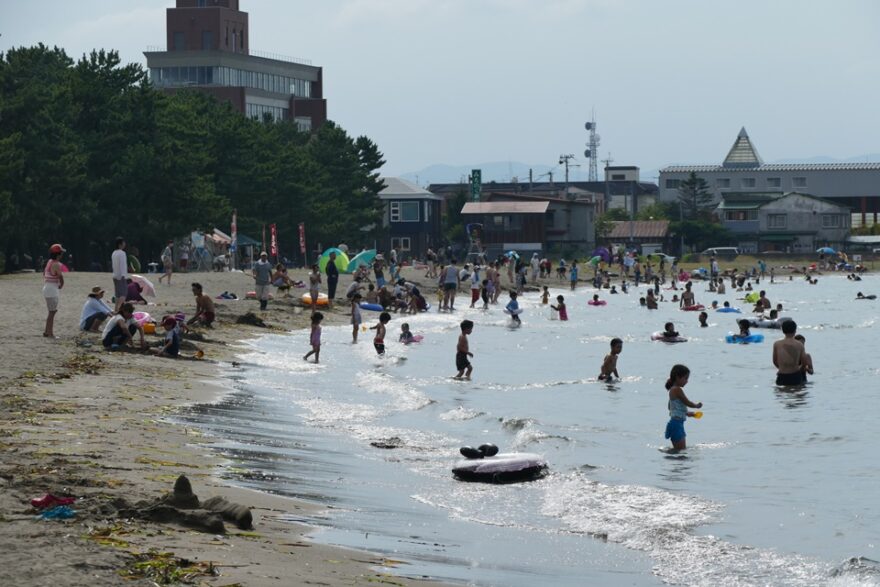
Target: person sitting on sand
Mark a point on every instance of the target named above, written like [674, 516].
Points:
[372, 296]
[119, 330]
[204, 307]
[171, 346]
[134, 290]
[94, 311]
[281, 280]
[609, 365]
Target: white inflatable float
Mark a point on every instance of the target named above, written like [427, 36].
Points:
[486, 465]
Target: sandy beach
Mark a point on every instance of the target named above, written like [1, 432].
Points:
[79, 421]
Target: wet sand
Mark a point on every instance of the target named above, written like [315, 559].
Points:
[78, 420]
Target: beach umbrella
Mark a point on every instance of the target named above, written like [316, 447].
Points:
[604, 253]
[341, 260]
[147, 287]
[595, 260]
[825, 250]
[363, 258]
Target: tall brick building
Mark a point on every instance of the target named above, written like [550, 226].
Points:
[208, 49]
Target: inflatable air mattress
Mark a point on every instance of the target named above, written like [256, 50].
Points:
[736, 339]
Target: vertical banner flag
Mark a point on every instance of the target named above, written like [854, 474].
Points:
[273, 240]
[302, 238]
[264, 240]
[476, 184]
[234, 244]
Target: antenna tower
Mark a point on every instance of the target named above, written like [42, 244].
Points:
[592, 152]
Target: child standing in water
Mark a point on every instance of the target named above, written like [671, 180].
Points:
[609, 366]
[545, 296]
[379, 339]
[573, 275]
[462, 351]
[315, 337]
[484, 294]
[560, 308]
[678, 404]
[356, 318]
[808, 360]
[406, 335]
[512, 308]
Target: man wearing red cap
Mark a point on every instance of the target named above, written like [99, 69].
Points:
[53, 281]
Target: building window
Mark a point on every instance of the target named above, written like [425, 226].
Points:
[833, 221]
[203, 3]
[402, 243]
[617, 177]
[207, 40]
[748, 182]
[776, 221]
[259, 112]
[404, 211]
[722, 183]
[799, 182]
[303, 123]
[227, 35]
[498, 221]
[741, 215]
[774, 182]
[179, 42]
[672, 184]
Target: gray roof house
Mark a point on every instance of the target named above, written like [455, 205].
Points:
[792, 222]
[411, 218]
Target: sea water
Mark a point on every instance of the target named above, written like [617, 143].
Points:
[777, 486]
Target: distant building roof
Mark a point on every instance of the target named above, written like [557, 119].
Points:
[400, 189]
[538, 198]
[753, 201]
[505, 207]
[615, 187]
[639, 229]
[743, 153]
[774, 167]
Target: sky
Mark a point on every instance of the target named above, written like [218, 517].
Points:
[466, 81]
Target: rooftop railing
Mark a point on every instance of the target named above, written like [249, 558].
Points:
[255, 53]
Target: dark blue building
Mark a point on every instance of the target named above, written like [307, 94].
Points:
[411, 219]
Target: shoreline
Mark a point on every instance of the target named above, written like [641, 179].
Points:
[77, 420]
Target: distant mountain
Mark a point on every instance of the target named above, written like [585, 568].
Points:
[509, 171]
[501, 171]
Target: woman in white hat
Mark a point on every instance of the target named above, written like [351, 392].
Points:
[94, 311]
[53, 281]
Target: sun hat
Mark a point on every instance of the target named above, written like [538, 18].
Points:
[56, 248]
[169, 321]
[97, 290]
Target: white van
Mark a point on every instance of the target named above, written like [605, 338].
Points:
[723, 252]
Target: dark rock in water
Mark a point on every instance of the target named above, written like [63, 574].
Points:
[231, 512]
[251, 319]
[470, 452]
[488, 450]
[388, 443]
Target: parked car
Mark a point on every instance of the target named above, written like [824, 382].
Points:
[721, 252]
[668, 258]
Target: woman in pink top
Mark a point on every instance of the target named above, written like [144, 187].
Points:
[53, 281]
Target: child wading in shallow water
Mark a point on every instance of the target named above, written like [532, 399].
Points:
[315, 337]
[379, 339]
[462, 351]
[678, 404]
[560, 308]
[609, 366]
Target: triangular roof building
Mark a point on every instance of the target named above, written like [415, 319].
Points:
[743, 152]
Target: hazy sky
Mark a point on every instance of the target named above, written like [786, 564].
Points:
[469, 81]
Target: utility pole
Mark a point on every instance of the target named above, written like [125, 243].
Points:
[607, 162]
[530, 180]
[564, 160]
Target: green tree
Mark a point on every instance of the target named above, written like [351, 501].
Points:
[453, 225]
[617, 214]
[696, 198]
[658, 211]
[603, 226]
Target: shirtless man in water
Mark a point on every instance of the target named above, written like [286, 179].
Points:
[687, 298]
[788, 356]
